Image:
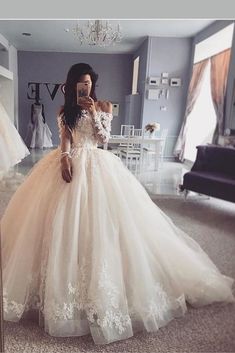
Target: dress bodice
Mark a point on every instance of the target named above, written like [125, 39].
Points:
[84, 133]
[89, 131]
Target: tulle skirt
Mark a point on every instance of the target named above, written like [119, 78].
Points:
[97, 255]
[12, 147]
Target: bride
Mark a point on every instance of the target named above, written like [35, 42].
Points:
[85, 246]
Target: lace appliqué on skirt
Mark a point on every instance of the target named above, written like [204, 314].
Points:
[101, 307]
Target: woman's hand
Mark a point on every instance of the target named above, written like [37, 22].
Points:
[66, 169]
[87, 103]
[105, 106]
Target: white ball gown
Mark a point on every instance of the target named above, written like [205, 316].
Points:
[97, 255]
[38, 134]
[12, 147]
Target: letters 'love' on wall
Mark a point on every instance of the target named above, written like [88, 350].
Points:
[34, 89]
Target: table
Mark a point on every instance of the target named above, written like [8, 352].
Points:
[142, 140]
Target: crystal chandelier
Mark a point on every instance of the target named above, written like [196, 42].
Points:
[98, 32]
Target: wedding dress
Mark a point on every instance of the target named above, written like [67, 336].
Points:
[97, 256]
[12, 147]
[38, 133]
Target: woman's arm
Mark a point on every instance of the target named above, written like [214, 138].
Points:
[101, 113]
[102, 118]
[65, 146]
[105, 106]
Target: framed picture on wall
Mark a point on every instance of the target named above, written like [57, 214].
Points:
[165, 81]
[154, 81]
[176, 82]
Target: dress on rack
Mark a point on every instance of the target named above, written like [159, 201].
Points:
[38, 132]
[12, 146]
[97, 255]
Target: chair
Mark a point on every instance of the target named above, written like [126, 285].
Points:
[126, 131]
[163, 145]
[132, 151]
[149, 151]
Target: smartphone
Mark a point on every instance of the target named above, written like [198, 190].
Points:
[82, 90]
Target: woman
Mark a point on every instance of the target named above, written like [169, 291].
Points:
[90, 250]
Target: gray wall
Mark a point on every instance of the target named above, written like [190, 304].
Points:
[114, 83]
[142, 52]
[132, 110]
[172, 55]
[230, 111]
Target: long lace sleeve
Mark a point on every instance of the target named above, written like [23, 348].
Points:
[102, 126]
[65, 135]
[64, 130]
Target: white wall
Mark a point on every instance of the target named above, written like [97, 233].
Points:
[13, 66]
[9, 66]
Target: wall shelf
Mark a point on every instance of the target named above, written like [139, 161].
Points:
[6, 79]
[6, 73]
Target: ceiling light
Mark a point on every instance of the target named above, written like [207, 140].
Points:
[98, 33]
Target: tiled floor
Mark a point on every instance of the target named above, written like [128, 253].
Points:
[164, 181]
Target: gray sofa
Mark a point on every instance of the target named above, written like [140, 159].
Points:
[213, 172]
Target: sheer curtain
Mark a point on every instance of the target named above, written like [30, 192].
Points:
[194, 90]
[201, 121]
[219, 74]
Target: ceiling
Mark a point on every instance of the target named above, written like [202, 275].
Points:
[51, 35]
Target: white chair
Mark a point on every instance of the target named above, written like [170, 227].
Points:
[132, 151]
[126, 131]
[149, 151]
[163, 145]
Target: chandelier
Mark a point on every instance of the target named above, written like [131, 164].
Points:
[98, 32]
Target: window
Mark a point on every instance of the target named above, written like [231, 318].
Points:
[135, 75]
[201, 122]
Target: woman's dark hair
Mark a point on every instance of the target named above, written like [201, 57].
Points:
[71, 111]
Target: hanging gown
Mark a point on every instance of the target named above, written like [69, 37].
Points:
[12, 147]
[38, 133]
[96, 255]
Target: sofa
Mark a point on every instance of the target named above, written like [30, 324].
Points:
[213, 172]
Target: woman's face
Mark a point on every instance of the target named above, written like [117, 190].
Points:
[87, 80]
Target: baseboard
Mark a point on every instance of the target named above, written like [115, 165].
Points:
[188, 163]
[169, 159]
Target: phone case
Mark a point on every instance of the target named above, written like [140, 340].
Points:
[82, 90]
